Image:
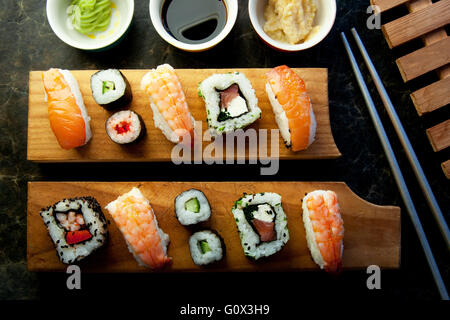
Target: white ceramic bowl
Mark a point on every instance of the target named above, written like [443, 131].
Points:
[155, 8]
[122, 14]
[325, 16]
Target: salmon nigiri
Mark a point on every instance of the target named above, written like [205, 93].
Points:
[170, 109]
[292, 107]
[324, 229]
[136, 220]
[66, 111]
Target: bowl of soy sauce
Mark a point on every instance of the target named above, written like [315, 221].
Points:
[193, 25]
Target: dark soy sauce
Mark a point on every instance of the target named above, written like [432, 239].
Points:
[194, 21]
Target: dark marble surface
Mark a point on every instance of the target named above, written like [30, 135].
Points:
[27, 43]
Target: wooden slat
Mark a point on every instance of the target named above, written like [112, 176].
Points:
[446, 168]
[387, 4]
[372, 233]
[424, 60]
[417, 23]
[433, 36]
[439, 136]
[43, 147]
[432, 97]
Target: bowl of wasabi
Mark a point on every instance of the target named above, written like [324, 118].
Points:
[92, 25]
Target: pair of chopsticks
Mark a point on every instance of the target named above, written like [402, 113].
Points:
[393, 161]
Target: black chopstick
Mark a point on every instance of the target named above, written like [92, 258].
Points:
[397, 172]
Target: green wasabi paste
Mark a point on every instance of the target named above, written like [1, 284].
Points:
[88, 16]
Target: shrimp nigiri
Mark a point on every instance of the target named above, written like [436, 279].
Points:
[168, 102]
[324, 229]
[136, 220]
[292, 107]
[66, 111]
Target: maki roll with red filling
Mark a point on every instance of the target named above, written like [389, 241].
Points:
[111, 89]
[76, 226]
[125, 127]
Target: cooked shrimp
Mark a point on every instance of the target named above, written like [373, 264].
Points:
[324, 229]
[170, 110]
[136, 220]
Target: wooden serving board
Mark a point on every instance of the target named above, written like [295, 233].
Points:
[43, 147]
[372, 233]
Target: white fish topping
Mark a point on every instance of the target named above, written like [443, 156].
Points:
[264, 213]
[237, 106]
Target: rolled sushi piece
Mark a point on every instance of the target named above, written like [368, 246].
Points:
[66, 110]
[261, 223]
[111, 89]
[206, 247]
[77, 227]
[324, 229]
[192, 207]
[170, 110]
[292, 107]
[230, 102]
[136, 220]
[125, 127]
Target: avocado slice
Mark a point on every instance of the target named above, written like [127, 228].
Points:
[107, 86]
[192, 205]
[204, 246]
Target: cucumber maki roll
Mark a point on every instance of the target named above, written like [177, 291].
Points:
[230, 102]
[206, 247]
[125, 127]
[192, 207]
[261, 223]
[111, 89]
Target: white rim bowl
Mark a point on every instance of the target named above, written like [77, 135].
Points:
[57, 18]
[155, 7]
[325, 17]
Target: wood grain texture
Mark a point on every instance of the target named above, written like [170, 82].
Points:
[43, 147]
[433, 36]
[432, 97]
[387, 4]
[446, 168]
[417, 23]
[439, 136]
[372, 233]
[424, 60]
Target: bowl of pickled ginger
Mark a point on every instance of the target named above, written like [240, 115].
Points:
[90, 24]
[292, 25]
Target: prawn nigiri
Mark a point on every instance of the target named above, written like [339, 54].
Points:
[292, 107]
[324, 229]
[66, 111]
[136, 220]
[168, 102]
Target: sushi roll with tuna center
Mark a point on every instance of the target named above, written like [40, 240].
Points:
[125, 127]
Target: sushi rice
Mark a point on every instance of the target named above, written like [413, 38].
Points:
[186, 215]
[94, 223]
[118, 96]
[251, 241]
[205, 247]
[136, 220]
[210, 90]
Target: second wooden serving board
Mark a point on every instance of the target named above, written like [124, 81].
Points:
[43, 147]
[372, 233]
